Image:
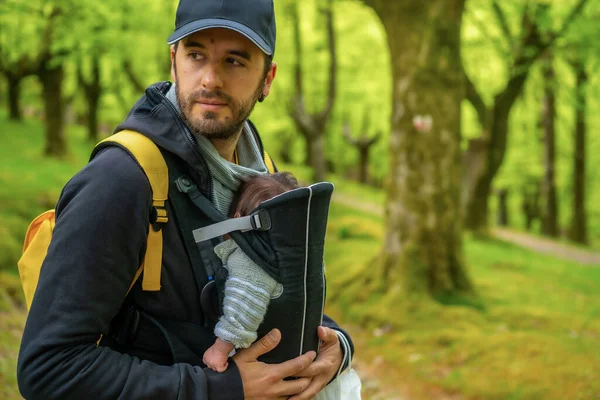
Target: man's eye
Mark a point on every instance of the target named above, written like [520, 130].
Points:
[195, 56]
[235, 62]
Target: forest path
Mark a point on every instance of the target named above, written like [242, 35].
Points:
[522, 239]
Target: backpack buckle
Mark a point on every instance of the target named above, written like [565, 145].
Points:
[158, 217]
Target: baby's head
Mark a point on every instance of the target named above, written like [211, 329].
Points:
[258, 189]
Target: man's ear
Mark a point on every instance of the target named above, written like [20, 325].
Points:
[173, 69]
[269, 79]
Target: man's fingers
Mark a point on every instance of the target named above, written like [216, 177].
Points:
[327, 335]
[322, 333]
[262, 346]
[309, 392]
[309, 372]
[295, 365]
[295, 386]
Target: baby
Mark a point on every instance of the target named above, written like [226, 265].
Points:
[248, 288]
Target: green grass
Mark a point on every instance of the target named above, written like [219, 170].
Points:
[29, 182]
[536, 336]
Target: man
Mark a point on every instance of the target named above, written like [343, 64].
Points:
[221, 52]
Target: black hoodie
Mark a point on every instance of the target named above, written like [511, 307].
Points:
[99, 241]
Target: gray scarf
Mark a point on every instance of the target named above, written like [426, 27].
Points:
[227, 176]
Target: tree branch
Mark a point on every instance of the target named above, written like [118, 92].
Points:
[299, 103]
[366, 122]
[324, 115]
[504, 53]
[347, 135]
[574, 12]
[477, 101]
[501, 17]
[374, 139]
[137, 84]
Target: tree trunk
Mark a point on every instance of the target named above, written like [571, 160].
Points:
[52, 78]
[92, 120]
[423, 242]
[285, 151]
[317, 152]
[550, 225]
[364, 165]
[308, 159]
[14, 98]
[531, 203]
[93, 92]
[474, 163]
[363, 144]
[502, 207]
[476, 218]
[578, 229]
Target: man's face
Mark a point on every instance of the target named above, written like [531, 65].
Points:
[220, 76]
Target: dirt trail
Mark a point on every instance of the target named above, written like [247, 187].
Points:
[535, 243]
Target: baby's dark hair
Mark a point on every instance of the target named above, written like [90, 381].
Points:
[260, 188]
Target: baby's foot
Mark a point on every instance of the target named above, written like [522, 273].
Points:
[215, 359]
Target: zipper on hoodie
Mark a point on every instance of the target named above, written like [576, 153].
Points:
[191, 140]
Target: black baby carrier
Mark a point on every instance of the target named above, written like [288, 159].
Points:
[285, 236]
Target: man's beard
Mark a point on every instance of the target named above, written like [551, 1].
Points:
[208, 124]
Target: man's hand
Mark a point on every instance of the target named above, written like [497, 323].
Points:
[326, 365]
[265, 381]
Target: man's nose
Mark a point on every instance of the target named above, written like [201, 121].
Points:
[212, 76]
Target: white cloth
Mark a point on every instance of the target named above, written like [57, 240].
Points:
[346, 386]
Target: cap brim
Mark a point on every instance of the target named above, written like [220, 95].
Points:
[202, 24]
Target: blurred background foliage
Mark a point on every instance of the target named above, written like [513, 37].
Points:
[71, 70]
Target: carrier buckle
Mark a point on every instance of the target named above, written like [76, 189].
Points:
[260, 220]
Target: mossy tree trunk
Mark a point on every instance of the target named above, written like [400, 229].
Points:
[503, 219]
[550, 225]
[14, 98]
[52, 77]
[93, 91]
[578, 228]
[531, 203]
[423, 252]
[14, 74]
[51, 73]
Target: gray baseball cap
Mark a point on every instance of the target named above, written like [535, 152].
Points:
[254, 19]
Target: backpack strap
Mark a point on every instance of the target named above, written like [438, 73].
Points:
[269, 163]
[150, 159]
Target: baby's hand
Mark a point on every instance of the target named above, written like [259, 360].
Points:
[216, 356]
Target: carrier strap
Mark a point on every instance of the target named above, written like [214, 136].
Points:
[186, 186]
[259, 221]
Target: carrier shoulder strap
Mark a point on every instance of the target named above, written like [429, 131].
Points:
[150, 159]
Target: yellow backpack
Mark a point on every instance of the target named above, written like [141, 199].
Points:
[39, 233]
